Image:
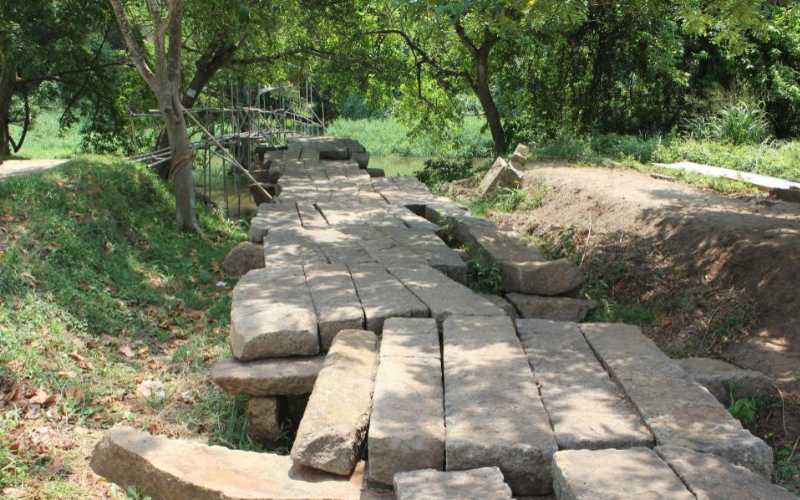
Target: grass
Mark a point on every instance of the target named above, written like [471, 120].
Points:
[99, 292]
[390, 137]
[46, 140]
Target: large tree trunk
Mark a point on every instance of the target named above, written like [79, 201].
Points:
[484, 94]
[8, 77]
[180, 168]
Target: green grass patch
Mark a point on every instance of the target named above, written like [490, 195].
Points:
[99, 291]
[46, 140]
[390, 137]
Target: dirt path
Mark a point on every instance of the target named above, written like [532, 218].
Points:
[11, 168]
[752, 244]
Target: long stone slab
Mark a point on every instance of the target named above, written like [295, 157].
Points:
[163, 468]
[335, 301]
[407, 424]
[410, 338]
[443, 296]
[711, 478]
[431, 249]
[270, 216]
[272, 315]
[332, 432]
[479, 484]
[677, 409]
[268, 377]
[585, 406]
[287, 246]
[635, 474]
[383, 296]
[493, 413]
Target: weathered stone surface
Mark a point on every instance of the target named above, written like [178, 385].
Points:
[272, 315]
[334, 425]
[180, 470]
[635, 474]
[244, 257]
[586, 408]
[500, 175]
[310, 217]
[410, 338]
[524, 269]
[264, 416]
[552, 308]
[428, 247]
[272, 215]
[494, 415]
[522, 150]
[677, 409]
[478, 484]
[292, 246]
[711, 478]
[720, 378]
[268, 377]
[335, 301]
[443, 296]
[383, 296]
[502, 303]
[407, 424]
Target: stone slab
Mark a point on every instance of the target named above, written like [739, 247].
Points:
[502, 303]
[268, 377]
[431, 249]
[272, 215]
[721, 378]
[486, 483]
[335, 301]
[711, 478]
[383, 296]
[272, 315]
[310, 217]
[410, 338]
[499, 175]
[331, 434]
[443, 296]
[292, 246]
[635, 474]
[181, 470]
[677, 409]
[407, 423]
[552, 308]
[493, 413]
[586, 408]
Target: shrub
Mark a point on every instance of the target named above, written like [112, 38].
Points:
[741, 124]
[437, 172]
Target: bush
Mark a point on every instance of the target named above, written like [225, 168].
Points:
[437, 172]
[736, 125]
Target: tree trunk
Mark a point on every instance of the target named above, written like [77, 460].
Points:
[181, 164]
[481, 88]
[8, 76]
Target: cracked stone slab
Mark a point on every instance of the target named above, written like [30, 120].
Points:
[383, 296]
[586, 408]
[634, 474]
[711, 478]
[268, 377]
[486, 483]
[443, 296]
[485, 370]
[331, 434]
[675, 407]
[164, 468]
[272, 315]
[335, 301]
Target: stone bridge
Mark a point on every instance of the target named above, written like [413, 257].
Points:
[419, 387]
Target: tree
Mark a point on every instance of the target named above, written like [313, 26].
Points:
[165, 81]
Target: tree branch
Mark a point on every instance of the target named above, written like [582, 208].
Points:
[134, 49]
[421, 53]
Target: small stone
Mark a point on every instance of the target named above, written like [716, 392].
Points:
[721, 378]
[552, 308]
[264, 418]
[486, 483]
[243, 258]
[332, 432]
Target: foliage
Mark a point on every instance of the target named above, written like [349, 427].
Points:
[508, 200]
[47, 139]
[438, 172]
[736, 125]
[486, 275]
[97, 288]
[787, 468]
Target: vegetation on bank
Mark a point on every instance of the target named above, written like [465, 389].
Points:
[103, 300]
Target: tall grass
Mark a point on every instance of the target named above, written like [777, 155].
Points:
[740, 124]
[46, 140]
[390, 137]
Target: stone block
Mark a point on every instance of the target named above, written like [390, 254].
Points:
[500, 175]
[721, 378]
[552, 308]
[335, 301]
[264, 418]
[245, 257]
[334, 426]
[410, 338]
[268, 377]
[486, 483]
[384, 296]
[502, 303]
